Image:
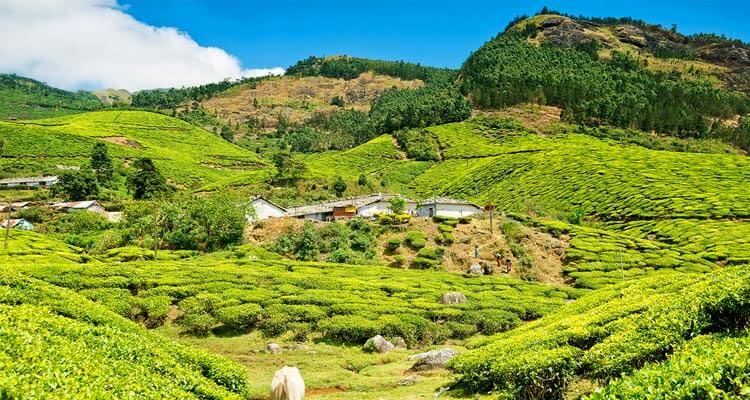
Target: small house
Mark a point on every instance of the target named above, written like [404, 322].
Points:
[21, 224]
[265, 209]
[89, 205]
[30, 182]
[360, 206]
[447, 207]
[382, 205]
[15, 206]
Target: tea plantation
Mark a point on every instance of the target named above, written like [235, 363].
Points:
[340, 303]
[55, 343]
[619, 330]
[185, 154]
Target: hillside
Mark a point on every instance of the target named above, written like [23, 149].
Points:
[259, 107]
[187, 155]
[725, 61]
[24, 98]
[54, 340]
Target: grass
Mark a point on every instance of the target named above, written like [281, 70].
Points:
[185, 154]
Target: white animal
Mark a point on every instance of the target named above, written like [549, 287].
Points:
[287, 384]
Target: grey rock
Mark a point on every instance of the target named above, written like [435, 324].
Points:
[409, 380]
[475, 269]
[432, 359]
[273, 348]
[453, 298]
[378, 344]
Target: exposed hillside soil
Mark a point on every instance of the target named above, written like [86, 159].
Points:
[296, 99]
[532, 116]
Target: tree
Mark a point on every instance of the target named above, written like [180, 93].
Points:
[288, 168]
[76, 186]
[362, 181]
[339, 186]
[397, 205]
[146, 182]
[227, 134]
[101, 163]
[337, 101]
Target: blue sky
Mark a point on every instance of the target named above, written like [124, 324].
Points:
[437, 32]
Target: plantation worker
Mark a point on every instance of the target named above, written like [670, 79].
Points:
[498, 260]
[508, 265]
[476, 251]
[287, 384]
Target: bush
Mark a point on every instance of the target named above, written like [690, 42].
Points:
[241, 317]
[445, 228]
[349, 328]
[433, 253]
[393, 244]
[445, 239]
[424, 263]
[415, 239]
[491, 321]
[399, 260]
[393, 219]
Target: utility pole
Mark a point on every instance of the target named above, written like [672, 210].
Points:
[7, 224]
[491, 209]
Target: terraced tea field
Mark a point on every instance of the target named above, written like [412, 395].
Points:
[617, 331]
[186, 154]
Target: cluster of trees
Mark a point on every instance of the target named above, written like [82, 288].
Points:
[619, 92]
[37, 93]
[352, 242]
[173, 97]
[341, 130]
[351, 67]
[417, 108]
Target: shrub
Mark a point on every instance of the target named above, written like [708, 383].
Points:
[240, 317]
[415, 239]
[399, 260]
[433, 253]
[393, 244]
[445, 239]
[424, 263]
[490, 321]
[349, 328]
[445, 228]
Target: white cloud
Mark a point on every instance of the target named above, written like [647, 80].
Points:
[94, 43]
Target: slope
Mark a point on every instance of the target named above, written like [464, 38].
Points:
[58, 344]
[617, 331]
[24, 98]
[187, 155]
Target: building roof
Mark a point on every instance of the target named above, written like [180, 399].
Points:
[29, 179]
[328, 206]
[447, 200]
[13, 222]
[77, 205]
[14, 206]
[256, 198]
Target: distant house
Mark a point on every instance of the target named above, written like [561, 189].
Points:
[21, 224]
[265, 209]
[32, 182]
[447, 207]
[361, 206]
[89, 205]
[15, 206]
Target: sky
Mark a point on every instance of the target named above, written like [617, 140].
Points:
[139, 44]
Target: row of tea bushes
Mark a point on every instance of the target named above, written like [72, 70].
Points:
[57, 344]
[338, 302]
[609, 332]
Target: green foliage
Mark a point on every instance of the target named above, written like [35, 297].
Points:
[607, 333]
[101, 163]
[25, 98]
[415, 239]
[350, 67]
[65, 346]
[351, 243]
[173, 97]
[288, 167]
[339, 186]
[393, 244]
[146, 182]
[418, 144]
[76, 186]
[397, 205]
[418, 108]
[506, 71]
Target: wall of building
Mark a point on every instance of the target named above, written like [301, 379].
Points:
[265, 210]
[382, 207]
[448, 210]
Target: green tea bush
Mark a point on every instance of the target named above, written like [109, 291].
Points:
[393, 244]
[415, 239]
[424, 263]
[239, 318]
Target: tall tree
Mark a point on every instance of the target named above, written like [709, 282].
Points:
[76, 186]
[146, 182]
[101, 163]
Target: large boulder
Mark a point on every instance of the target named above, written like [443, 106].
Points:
[273, 348]
[475, 269]
[378, 344]
[432, 359]
[453, 298]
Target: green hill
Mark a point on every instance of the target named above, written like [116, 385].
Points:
[24, 98]
[187, 155]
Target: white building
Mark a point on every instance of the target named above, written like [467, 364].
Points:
[31, 182]
[382, 205]
[89, 205]
[21, 224]
[265, 209]
[361, 206]
[447, 207]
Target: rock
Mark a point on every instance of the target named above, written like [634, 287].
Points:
[555, 243]
[558, 252]
[399, 342]
[475, 269]
[378, 344]
[551, 21]
[409, 380]
[299, 346]
[273, 348]
[453, 298]
[487, 268]
[432, 359]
